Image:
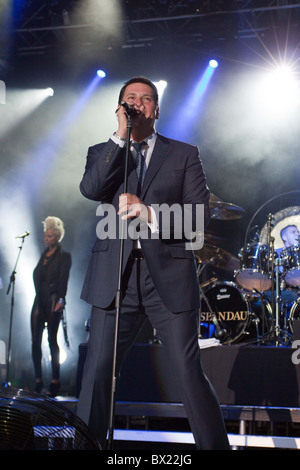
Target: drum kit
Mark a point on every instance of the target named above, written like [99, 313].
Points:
[262, 304]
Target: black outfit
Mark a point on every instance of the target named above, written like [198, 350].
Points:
[50, 280]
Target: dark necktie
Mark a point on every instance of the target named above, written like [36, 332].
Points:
[140, 165]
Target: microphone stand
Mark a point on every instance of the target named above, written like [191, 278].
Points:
[11, 285]
[219, 331]
[118, 299]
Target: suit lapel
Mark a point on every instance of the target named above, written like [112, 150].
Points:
[159, 155]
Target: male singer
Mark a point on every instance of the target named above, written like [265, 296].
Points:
[159, 279]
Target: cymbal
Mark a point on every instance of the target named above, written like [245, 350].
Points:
[211, 237]
[225, 210]
[217, 257]
[208, 237]
[214, 198]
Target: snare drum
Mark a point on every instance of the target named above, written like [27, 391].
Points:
[231, 309]
[253, 271]
[291, 263]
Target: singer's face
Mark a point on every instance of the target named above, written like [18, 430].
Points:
[140, 96]
[50, 238]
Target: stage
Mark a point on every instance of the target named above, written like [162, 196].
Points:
[241, 375]
[257, 386]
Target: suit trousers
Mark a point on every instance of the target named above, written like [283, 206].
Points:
[179, 336]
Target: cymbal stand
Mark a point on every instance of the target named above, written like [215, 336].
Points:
[276, 333]
[273, 334]
[270, 254]
[279, 333]
[277, 301]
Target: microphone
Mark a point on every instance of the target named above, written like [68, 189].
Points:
[220, 332]
[130, 110]
[23, 235]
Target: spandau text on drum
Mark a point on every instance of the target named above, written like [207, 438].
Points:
[225, 316]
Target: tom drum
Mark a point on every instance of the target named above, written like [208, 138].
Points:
[291, 264]
[253, 270]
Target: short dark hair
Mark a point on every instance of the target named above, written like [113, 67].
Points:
[284, 230]
[139, 80]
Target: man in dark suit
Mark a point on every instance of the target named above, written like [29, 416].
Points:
[159, 280]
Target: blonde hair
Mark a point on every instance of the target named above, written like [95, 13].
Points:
[56, 225]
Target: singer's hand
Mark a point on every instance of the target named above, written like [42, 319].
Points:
[131, 206]
[122, 120]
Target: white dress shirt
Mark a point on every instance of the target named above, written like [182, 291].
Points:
[147, 153]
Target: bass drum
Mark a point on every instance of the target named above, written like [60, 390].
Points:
[294, 315]
[231, 309]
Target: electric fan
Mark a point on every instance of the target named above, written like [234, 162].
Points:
[29, 421]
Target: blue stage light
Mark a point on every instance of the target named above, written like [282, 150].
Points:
[213, 63]
[189, 116]
[101, 73]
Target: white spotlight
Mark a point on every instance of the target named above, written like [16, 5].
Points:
[49, 91]
[213, 63]
[101, 73]
[279, 91]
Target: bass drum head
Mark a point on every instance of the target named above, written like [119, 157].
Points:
[231, 309]
[283, 218]
[294, 316]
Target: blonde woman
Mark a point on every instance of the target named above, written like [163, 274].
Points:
[50, 277]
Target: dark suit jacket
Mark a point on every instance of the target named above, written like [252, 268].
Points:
[175, 176]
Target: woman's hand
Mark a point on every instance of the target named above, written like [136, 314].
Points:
[59, 306]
